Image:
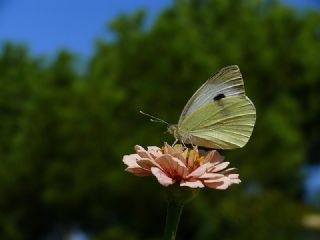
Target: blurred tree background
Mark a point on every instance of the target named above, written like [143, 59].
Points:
[64, 131]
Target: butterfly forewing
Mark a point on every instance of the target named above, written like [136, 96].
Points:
[223, 124]
[227, 82]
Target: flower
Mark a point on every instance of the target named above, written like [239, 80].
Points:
[178, 164]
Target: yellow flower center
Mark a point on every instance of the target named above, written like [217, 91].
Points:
[199, 159]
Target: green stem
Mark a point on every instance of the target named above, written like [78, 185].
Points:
[173, 217]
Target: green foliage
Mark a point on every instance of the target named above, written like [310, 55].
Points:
[63, 133]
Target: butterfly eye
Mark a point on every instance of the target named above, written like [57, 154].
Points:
[218, 97]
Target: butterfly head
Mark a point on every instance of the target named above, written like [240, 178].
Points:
[172, 129]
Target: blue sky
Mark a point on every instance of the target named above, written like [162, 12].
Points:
[52, 24]
[312, 182]
[74, 24]
[303, 3]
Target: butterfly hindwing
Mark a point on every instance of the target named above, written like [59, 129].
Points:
[223, 124]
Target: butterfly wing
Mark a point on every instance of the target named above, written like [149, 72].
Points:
[223, 124]
[227, 82]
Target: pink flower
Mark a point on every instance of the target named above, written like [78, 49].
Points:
[177, 164]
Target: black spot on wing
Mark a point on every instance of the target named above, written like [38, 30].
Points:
[219, 96]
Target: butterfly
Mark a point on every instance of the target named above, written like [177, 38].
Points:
[219, 115]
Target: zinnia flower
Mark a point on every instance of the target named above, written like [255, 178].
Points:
[178, 164]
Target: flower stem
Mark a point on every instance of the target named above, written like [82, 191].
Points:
[177, 197]
[174, 211]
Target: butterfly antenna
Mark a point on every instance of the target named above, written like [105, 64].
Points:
[154, 119]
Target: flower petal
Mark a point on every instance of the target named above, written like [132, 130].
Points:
[131, 160]
[192, 184]
[221, 183]
[214, 156]
[234, 178]
[147, 163]
[172, 166]
[178, 148]
[184, 155]
[229, 171]
[138, 171]
[192, 158]
[199, 171]
[167, 148]
[142, 152]
[162, 178]
[211, 176]
[154, 151]
[219, 167]
[177, 151]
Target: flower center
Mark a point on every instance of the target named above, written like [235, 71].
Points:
[194, 159]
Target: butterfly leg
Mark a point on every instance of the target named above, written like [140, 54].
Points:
[174, 143]
[189, 139]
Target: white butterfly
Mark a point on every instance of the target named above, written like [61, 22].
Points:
[219, 115]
